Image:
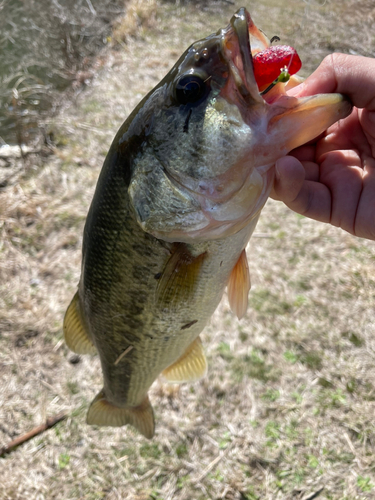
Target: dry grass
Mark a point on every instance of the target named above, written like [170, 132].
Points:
[140, 17]
[288, 405]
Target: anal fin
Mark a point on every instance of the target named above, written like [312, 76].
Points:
[191, 366]
[239, 286]
[75, 334]
[104, 413]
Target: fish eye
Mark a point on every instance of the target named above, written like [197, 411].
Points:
[191, 89]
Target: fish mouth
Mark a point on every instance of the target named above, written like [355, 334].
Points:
[237, 51]
[280, 122]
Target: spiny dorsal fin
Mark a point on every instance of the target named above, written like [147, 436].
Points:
[102, 412]
[179, 278]
[75, 334]
[191, 366]
[239, 286]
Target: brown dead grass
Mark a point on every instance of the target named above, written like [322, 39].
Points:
[288, 405]
[140, 17]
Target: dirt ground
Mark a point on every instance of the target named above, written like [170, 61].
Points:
[287, 408]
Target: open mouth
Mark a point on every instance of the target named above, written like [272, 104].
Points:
[256, 68]
[279, 118]
[237, 50]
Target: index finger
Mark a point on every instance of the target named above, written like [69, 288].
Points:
[353, 76]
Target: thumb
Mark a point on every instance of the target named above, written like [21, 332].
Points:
[289, 177]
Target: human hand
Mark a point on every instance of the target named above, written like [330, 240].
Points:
[333, 179]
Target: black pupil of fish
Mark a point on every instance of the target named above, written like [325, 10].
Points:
[190, 90]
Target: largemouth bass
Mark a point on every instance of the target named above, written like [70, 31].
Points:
[176, 202]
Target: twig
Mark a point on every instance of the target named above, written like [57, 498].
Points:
[128, 349]
[17, 151]
[92, 10]
[4, 182]
[212, 465]
[50, 422]
[315, 495]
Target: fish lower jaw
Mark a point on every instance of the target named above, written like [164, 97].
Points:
[295, 121]
[222, 220]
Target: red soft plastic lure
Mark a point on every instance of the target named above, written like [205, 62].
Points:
[269, 63]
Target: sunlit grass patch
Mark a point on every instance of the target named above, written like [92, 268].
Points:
[364, 484]
[140, 16]
[253, 365]
[266, 302]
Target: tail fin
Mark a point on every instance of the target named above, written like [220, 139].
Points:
[102, 412]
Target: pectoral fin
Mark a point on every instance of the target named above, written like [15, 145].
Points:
[239, 286]
[191, 366]
[75, 334]
[102, 412]
[178, 281]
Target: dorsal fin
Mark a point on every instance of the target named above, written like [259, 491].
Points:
[102, 412]
[75, 334]
[239, 286]
[178, 280]
[191, 366]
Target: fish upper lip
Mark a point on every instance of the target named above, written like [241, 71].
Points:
[236, 49]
